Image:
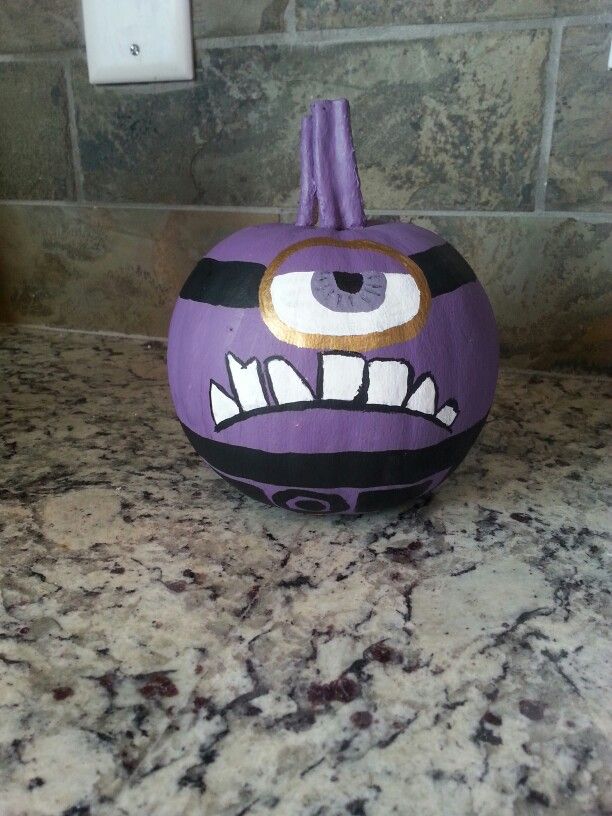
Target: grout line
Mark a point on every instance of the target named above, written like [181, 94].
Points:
[345, 35]
[504, 369]
[504, 214]
[88, 332]
[131, 205]
[244, 40]
[548, 116]
[43, 56]
[391, 32]
[577, 215]
[554, 372]
[290, 23]
[74, 136]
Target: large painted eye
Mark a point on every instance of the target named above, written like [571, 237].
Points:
[344, 302]
[379, 298]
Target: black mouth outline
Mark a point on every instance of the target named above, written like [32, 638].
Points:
[321, 471]
[357, 404]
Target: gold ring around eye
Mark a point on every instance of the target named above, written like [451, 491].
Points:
[344, 342]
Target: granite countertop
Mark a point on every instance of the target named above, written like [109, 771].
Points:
[170, 647]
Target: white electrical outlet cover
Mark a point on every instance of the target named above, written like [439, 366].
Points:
[138, 40]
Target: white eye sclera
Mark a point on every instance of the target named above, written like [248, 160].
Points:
[344, 310]
[343, 313]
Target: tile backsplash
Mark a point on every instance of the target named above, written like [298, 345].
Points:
[487, 120]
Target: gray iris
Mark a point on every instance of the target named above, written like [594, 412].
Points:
[349, 291]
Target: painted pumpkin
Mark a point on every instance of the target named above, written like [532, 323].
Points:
[337, 367]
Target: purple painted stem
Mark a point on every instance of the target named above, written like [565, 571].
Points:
[330, 180]
[307, 215]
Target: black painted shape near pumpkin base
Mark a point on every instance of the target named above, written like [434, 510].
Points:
[328, 470]
[309, 501]
[372, 500]
[250, 490]
[236, 283]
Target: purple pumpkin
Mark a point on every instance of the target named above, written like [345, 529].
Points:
[336, 368]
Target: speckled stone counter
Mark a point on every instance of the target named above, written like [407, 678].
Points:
[169, 647]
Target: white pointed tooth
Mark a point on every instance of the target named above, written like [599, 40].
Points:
[342, 376]
[247, 383]
[447, 414]
[287, 384]
[388, 382]
[423, 399]
[221, 406]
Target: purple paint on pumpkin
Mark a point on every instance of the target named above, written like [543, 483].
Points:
[356, 372]
[352, 496]
[468, 378]
[337, 186]
[264, 242]
[337, 292]
[306, 215]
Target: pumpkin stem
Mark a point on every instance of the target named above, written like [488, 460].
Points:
[307, 215]
[329, 176]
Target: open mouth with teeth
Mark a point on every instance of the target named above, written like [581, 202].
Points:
[345, 381]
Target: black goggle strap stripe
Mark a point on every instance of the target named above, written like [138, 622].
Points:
[236, 283]
[224, 283]
[444, 269]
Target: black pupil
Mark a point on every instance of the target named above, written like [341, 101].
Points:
[350, 282]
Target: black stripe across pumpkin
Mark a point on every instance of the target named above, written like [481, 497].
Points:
[334, 365]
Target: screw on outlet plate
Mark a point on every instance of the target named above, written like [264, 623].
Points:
[134, 49]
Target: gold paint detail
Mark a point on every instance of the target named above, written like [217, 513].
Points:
[344, 342]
